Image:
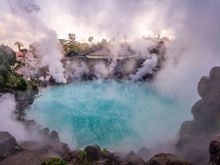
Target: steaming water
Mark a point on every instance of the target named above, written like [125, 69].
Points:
[109, 113]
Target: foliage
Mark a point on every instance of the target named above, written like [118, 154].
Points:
[16, 82]
[72, 45]
[19, 45]
[90, 39]
[82, 154]
[18, 147]
[54, 161]
[104, 150]
[9, 80]
[32, 85]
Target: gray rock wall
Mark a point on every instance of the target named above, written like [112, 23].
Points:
[195, 135]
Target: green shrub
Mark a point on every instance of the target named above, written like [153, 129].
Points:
[54, 161]
[82, 154]
[18, 147]
[16, 82]
[32, 85]
[104, 150]
[9, 79]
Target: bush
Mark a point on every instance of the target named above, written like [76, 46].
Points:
[16, 82]
[9, 80]
[54, 161]
[32, 85]
[104, 150]
[82, 154]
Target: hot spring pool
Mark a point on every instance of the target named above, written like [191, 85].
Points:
[109, 113]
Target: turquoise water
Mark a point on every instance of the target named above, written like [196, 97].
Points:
[109, 113]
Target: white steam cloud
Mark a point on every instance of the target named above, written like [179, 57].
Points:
[148, 66]
[8, 121]
[195, 50]
[194, 24]
[47, 42]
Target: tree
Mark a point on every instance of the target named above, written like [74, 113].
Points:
[90, 39]
[19, 45]
[72, 37]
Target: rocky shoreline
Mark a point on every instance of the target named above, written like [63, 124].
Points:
[35, 153]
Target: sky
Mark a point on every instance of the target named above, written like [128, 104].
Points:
[98, 18]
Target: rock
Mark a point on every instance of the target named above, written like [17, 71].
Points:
[195, 135]
[133, 159]
[31, 145]
[110, 158]
[214, 151]
[166, 159]
[8, 145]
[208, 87]
[60, 149]
[45, 131]
[34, 153]
[27, 157]
[24, 99]
[194, 149]
[72, 155]
[93, 152]
[102, 162]
[54, 136]
[31, 125]
[206, 113]
[144, 153]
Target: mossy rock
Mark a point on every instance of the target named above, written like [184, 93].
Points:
[54, 161]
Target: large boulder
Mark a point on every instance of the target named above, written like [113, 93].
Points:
[166, 159]
[24, 99]
[134, 159]
[110, 158]
[93, 155]
[195, 135]
[93, 152]
[53, 136]
[144, 153]
[214, 151]
[8, 145]
[208, 87]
